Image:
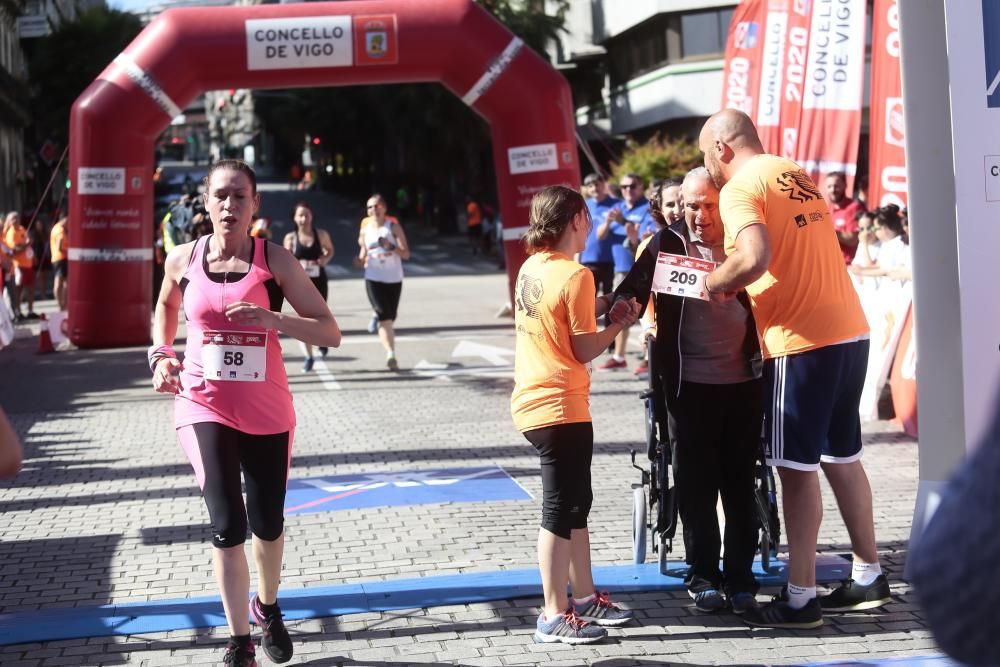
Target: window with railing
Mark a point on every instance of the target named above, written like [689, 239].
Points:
[668, 39]
[703, 34]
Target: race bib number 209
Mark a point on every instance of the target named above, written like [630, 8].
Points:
[682, 276]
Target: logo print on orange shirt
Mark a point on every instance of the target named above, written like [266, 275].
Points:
[798, 186]
[529, 295]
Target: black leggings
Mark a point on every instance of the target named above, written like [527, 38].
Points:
[384, 298]
[264, 460]
[565, 452]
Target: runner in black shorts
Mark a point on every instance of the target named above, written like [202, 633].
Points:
[314, 250]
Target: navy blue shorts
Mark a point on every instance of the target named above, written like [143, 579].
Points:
[811, 406]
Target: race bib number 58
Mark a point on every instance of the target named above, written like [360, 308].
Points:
[681, 276]
[234, 356]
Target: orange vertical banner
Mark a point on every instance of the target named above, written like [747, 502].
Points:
[744, 49]
[796, 59]
[769, 102]
[830, 123]
[887, 158]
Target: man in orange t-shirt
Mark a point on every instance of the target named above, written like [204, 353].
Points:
[59, 247]
[16, 238]
[474, 224]
[782, 248]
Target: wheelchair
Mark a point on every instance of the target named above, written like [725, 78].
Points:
[654, 498]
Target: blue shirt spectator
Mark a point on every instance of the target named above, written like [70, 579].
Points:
[597, 250]
[638, 214]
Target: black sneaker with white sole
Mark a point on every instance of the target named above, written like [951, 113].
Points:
[779, 614]
[852, 596]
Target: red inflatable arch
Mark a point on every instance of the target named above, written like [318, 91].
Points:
[184, 52]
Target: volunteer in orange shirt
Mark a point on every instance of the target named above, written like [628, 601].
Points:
[555, 318]
[474, 224]
[59, 247]
[17, 239]
[782, 248]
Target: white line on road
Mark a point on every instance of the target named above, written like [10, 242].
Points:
[324, 374]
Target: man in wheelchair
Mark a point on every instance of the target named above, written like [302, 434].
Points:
[708, 361]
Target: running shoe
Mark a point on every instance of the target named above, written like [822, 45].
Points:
[741, 602]
[323, 351]
[32, 315]
[779, 614]
[642, 370]
[709, 600]
[274, 637]
[308, 365]
[567, 628]
[240, 656]
[373, 325]
[392, 364]
[852, 596]
[602, 611]
[613, 364]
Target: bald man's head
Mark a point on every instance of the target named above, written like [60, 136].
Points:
[727, 136]
[734, 128]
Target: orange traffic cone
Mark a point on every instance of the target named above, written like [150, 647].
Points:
[44, 338]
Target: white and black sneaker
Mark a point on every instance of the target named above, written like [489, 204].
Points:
[567, 628]
[852, 596]
[602, 611]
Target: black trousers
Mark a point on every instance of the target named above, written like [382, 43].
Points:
[565, 452]
[717, 436]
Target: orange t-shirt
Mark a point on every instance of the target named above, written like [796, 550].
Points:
[18, 236]
[554, 300]
[473, 214]
[805, 299]
[57, 242]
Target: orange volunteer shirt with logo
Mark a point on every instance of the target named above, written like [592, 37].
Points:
[805, 299]
[19, 236]
[554, 300]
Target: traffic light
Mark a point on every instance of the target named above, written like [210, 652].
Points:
[315, 141]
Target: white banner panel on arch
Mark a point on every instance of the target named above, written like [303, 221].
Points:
[973, 31]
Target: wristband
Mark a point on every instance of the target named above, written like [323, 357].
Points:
[157, 352]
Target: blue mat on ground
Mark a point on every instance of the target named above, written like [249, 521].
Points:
[414, 487]
[922, 661]
[307, 603]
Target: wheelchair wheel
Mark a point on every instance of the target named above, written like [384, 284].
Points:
[764, 521]
[765, 551]
[638, 526]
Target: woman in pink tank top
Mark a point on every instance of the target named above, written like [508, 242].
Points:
[232, 407]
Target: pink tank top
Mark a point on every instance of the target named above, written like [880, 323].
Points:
[233, 374]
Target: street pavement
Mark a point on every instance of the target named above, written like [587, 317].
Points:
[106, 510]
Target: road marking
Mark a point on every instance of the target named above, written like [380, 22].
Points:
[496, 356]
[324, 374]
[491, 353]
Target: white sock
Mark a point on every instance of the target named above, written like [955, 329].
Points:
[799, 596]
[865, 573]
[583, 601]
[390, 355]
[617, 358]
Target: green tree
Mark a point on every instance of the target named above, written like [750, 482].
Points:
[63, 64]
[659, 157]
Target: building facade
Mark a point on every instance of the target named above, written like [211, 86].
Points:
[14, 115]
[645, 65]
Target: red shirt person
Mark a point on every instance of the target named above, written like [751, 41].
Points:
[844, 212]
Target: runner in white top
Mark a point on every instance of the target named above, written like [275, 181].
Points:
[382, 249]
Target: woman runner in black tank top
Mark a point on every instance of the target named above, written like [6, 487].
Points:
[314, 249]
